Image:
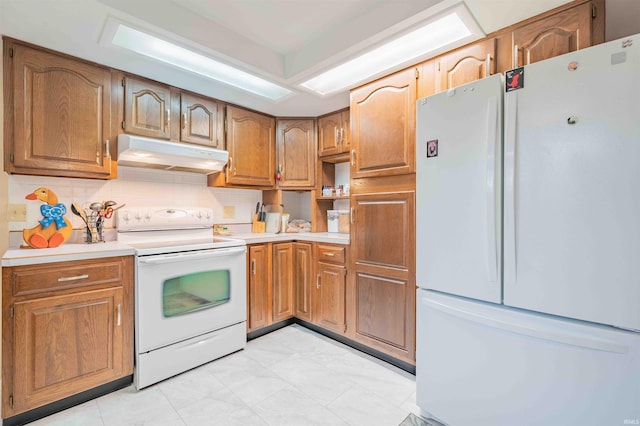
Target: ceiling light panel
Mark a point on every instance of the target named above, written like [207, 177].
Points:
[161, 50]
[443, 31]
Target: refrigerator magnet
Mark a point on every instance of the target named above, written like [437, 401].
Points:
[432, 148]
[514, 79]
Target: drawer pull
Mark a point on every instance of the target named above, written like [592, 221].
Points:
[328, 254]
[77, 277]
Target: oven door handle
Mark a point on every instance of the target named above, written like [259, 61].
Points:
[194, 255]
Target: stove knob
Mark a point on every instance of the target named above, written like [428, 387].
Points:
[199, 214]
[138, 216]
[125, 216]
[208, 213]
[147, 215]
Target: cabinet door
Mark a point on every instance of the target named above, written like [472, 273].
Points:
[147, 108]
[558, 34]
[383, 240]
[465, 65]
[303, 278]
[258, 294]
[251, 146]
[383, 116]
[329, 134]
[282, 281]
[201, 120]
[331, 286]
[296, 147]
[65, 344]
[62, 115]
[345, 133]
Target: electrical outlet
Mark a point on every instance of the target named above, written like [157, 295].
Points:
[17, 213]
[228, 212]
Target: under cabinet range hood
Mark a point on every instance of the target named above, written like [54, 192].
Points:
[137, 151]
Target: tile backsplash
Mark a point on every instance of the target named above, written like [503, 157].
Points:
[135, 187]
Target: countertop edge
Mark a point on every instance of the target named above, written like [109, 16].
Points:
[71, 252]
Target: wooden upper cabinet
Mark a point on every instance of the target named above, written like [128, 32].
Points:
[465, 65]
[334, 136]
[296, 153]
[201, 120]
[555, 35]
[147, 108]
[251, 146]
[383, 115]
[58, 114]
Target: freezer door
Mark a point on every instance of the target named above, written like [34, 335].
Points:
[458, 197]
[481, 364]
[572, 186]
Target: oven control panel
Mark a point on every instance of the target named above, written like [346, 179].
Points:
[160, 218]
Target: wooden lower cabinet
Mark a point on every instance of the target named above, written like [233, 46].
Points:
[68, 328]
[258, 287]
[282, 281]
[270, 284]
[383, 286]
[330, 306]
[303, 279]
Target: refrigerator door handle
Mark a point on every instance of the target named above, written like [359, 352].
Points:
[491, 238]
[553, 334]
[509, 233]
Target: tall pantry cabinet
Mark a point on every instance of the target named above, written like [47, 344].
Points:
[382, 261]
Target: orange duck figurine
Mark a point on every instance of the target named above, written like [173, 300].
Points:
[54, 229]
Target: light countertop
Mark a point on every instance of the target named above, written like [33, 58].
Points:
[319, 237]
[70, 251]
[66, 252]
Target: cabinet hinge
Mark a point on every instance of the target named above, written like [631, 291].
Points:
[594, 11]
[344, 272]
[11, 52]
[11, 400]
[417, 73]
[345, 328]
[11, 158]
[11, 312]
[123, 123]
[123, 83]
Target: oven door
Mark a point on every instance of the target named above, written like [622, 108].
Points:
[183, 295]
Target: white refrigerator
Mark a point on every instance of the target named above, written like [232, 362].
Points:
[528, 244]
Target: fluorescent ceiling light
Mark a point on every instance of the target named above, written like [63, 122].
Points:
[164, 51]
[438, 33]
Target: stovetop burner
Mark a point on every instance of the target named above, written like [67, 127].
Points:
[156, 230]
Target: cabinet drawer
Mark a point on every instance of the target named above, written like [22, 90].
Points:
[33, 279]
[333, 254]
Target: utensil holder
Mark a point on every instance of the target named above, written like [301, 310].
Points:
[94, 230]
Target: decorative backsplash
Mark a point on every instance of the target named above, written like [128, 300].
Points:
[135, 187]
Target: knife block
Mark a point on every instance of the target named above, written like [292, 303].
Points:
[257, 226]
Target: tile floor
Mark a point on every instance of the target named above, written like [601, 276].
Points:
[292, 376]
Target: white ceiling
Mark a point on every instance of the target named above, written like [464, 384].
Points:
[285, 41]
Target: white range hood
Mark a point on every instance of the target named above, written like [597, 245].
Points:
[137, 151]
